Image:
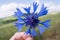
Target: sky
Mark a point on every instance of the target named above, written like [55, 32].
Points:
[8, 7]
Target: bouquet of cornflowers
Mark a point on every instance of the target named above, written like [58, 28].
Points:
[31, 21]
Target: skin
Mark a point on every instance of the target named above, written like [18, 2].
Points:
[21, 36]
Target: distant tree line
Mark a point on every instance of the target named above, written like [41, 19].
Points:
[7, 21]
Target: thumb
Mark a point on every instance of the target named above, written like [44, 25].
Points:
[27, 37]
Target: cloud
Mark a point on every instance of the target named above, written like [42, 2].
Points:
[53, 7]
[7, 9]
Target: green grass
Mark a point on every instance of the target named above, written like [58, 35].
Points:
[53, 33]
[7, 31]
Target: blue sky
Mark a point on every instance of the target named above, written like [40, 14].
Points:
[7, 7]
[29, 1]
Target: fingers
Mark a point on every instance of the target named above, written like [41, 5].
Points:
[29, 38]
[21, 36]
[25, 36]
[17, 35]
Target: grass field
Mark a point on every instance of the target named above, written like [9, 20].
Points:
[53, 33]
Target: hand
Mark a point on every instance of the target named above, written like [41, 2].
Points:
[21, 36]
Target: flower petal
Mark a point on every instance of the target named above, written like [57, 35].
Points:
[35, 5]
[27, 9]
[33, 33]
[19, 26]
[46, 23]
[18, 13]
[28, 31]
[20, 22]
[20, 19]
[43, 11]
[41, 29]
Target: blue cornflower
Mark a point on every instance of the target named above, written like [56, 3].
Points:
[31, 19]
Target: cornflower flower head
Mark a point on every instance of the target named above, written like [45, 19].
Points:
[31, 21]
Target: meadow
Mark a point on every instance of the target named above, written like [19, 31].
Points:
[7, 28]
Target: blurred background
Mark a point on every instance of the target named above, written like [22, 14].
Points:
[7, 18]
